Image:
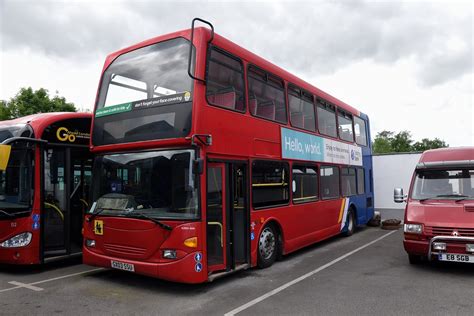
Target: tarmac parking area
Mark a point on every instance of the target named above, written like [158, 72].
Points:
[367, 273]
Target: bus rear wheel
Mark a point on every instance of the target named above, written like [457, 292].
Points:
[350, 220]
[267, 247]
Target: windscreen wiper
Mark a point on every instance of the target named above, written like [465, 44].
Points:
[460, 196]
[13, 215]
[8, 214]
[427, 198]
[93, 215]
[463, 197]
[154, 220]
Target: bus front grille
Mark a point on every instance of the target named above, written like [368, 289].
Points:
[124, 250]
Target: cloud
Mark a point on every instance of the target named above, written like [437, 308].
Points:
[304, 37]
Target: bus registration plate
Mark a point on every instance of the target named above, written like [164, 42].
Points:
[456, 257]
[122, 266]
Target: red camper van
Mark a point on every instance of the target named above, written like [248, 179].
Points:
[439, 216]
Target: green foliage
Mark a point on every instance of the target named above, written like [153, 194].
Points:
[389, 142]
[426, 144]
[383, 142]
[27, 102]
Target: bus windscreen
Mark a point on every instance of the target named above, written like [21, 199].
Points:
[16, 182]
[145, 94]
[156, 184]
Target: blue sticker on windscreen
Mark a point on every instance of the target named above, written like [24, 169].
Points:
[36, 218]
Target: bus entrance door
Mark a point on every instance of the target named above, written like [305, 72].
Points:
[67, 176]
[227, 216]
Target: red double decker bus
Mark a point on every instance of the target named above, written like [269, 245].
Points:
[211, 160]
[45, 174]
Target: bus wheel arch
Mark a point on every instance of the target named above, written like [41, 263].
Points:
[280, 244]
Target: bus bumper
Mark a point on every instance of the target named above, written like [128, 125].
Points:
[21, 256]
[184, 270]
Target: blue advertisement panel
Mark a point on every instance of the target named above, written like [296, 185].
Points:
[302, 146]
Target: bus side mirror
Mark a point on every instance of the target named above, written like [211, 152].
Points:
[198, 166]
[398, 196]
[5, 151]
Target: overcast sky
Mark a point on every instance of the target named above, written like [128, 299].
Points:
[408, 65]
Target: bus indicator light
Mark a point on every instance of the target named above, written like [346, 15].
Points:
[191, 242]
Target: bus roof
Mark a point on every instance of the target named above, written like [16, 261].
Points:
[443, 155]
[231, 47]
[42, 120]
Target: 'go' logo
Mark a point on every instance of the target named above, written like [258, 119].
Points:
[63, 135]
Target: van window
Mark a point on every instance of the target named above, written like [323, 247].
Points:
[452, 183]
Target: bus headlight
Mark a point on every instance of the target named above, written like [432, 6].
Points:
[169, 254]
[90, 243]
[412, 228]
[20, 240]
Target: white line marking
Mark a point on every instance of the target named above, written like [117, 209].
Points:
[301, 278]
[67, 276]
[28, 286]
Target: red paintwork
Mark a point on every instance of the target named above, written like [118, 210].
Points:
[444, 213]
[448, 154]
[9, 228]
[142, 243]
[235, 136]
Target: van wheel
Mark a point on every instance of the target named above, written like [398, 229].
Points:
[267, 247]
[350, 220]
[414, 259]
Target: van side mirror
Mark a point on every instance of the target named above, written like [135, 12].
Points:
[5, 151]
[398, 196]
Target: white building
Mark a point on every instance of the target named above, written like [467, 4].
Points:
[392, 171]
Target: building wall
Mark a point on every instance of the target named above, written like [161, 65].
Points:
[392, 171]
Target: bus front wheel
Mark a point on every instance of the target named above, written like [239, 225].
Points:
[267, 247]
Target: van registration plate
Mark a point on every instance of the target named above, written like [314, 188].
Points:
[122, 266]
[456, 257]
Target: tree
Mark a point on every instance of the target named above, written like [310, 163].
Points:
[401, 142]
[389, 142]
[426, 144]
[383, 142]
[27, 102]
